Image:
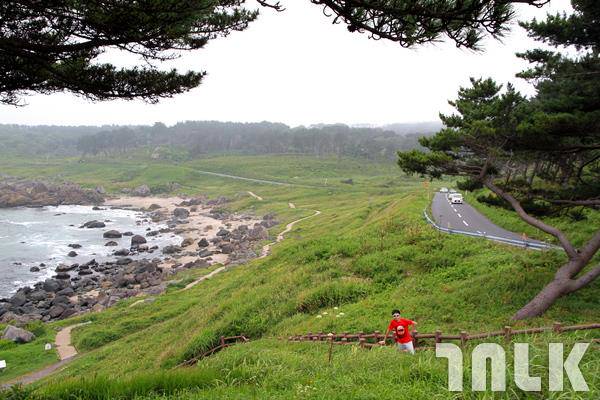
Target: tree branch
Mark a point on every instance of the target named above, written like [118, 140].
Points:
[557, 233]
[586, 279]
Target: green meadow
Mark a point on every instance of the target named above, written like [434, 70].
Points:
[369, 251]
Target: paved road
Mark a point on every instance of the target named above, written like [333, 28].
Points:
[466, 218]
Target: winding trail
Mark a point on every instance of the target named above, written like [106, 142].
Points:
[267, 248]
[203, 278]
[66, 353]
[257, 197]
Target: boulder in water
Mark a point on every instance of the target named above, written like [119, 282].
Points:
[112, 234]
[94, 224]
[137, 240]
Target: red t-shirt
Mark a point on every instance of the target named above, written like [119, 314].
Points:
[400, 329]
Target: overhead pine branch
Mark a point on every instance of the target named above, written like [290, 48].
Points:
[415, 22]
[53, 45]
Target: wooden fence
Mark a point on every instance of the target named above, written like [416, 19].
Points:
[369, 340]
[224, 342]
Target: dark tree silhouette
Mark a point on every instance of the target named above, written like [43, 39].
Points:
[53, 45]
[416, 22]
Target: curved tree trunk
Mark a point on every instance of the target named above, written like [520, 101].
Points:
[543, 300]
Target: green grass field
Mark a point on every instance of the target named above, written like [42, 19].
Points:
[368, 252]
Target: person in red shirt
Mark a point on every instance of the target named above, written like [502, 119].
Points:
[400, 327]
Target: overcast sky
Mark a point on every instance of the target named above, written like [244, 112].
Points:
[296, 67]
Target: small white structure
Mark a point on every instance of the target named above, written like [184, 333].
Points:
[2, 364]
[48, 346]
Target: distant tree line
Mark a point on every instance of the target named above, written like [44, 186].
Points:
[197, 138]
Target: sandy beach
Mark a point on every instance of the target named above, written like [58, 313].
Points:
[199, 224]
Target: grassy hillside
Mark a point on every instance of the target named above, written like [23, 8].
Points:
[368, 252]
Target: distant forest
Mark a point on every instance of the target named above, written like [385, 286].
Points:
[196, 138]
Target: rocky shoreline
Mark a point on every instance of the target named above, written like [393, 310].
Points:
[210, 236]
[26, 193]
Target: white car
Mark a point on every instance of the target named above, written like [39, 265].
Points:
[444, 190]
[456, 198]
[452, 191]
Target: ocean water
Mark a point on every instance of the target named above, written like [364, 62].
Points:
[30, 236]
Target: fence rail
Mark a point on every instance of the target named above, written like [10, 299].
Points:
[369, 340]
[535, 245]
[224, 342]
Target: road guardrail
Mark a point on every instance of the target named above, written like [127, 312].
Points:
[535, 245]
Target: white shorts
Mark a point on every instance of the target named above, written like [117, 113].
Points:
[408, 347]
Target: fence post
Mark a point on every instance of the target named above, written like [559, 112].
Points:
[345, 337]
[507, 333]
[361, 341]
[377, 334]
[222, 340]
[438, 336]
[321, 336]
[330, 346]
[463, 338]
[557, 327]
[415, 337]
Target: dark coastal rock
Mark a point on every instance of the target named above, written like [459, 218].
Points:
[205, 253]
[112, 243]
[137, 240]
[203, 243]
[223, 232]
[17, 335]
[121, 253]
[68, 291]
[62, 276]
[227, 248]
[154, 207]
[259, 232]
[93, 225]
[51, 285]
[38, 295]
[4, 308]
[142, 191]
[56, 311]
[60, 300]
[187, 242]
[18, 299]
[72, 254]
[34, 269]
[15, 193]
[74, 246]
[112, 234]
[124, 261]
[65, 268]
[181, 213]
[127, 233]
[171, 249]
